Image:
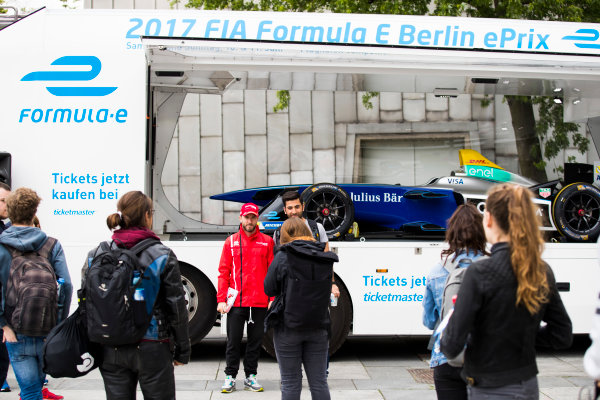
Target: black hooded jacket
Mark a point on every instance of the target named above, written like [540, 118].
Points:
[313, 267]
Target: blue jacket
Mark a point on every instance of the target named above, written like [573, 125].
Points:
[432, 302]
[31, 239]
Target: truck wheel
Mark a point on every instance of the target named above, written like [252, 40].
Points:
[329, 205]
[201, 299]
[341, 318]
[576, 212]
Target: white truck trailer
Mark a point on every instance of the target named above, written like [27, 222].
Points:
[91, 101]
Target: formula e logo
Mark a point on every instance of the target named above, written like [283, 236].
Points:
[88, 61]
[87, 364]
[585, 36]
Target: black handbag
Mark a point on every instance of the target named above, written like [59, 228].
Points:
[68, 352]
[274, 316]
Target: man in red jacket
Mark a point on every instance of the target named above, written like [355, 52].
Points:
[245, 259]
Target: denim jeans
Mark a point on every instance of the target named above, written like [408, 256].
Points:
[295, 348]
[26, 359]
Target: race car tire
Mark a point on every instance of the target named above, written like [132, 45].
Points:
[331, 206]
[576, 212]
[201, 301]
[341, 319]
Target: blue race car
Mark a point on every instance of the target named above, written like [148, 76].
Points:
[394, 210]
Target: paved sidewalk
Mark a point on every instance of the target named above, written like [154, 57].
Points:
[365, 369]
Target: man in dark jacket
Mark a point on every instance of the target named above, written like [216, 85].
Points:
[4, 361]
[4, 193]
[243, 266]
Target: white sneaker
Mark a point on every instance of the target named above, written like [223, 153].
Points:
[250, 383]
[228, 385]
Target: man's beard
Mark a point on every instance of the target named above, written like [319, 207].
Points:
[245, 227]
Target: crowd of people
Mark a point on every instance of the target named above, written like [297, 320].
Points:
[505, 301]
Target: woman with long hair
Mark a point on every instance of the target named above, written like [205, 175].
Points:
[502, 301]
[301, 277]
[166, 342]
[466, 243]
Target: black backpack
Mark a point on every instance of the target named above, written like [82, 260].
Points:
[31, 303]
[307, 293]
[114, 317]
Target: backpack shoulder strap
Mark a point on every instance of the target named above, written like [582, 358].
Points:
[143, 245]
[13, 251]
[451, 265]
[277, 236]
[314, 227]
[46, 249]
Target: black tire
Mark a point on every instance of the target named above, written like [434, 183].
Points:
[341, 318]
[331, 206]
[201, 299]
[576, 212]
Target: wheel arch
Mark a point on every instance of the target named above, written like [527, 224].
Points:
[204, 316]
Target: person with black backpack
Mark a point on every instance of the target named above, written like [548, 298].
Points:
[466, 244]
[300, 277]
[135, 305]
[30, 264]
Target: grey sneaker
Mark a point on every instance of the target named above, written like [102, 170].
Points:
[228, 385]
[250, 383]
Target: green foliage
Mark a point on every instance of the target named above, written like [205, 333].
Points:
[555, 134]
[284, 100]
[554, 10]
[366, 99]
[486, 101]
[414, 7]
[68, 3]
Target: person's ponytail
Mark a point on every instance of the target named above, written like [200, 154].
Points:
[514, 211]
[133, 209]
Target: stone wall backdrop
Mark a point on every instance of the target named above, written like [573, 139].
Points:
[236, 141]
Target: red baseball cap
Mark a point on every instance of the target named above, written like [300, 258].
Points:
[249, 208]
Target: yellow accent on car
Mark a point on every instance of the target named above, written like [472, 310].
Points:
[472, 157]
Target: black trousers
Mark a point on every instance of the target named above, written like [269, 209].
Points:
[236, 319]
[448, 383]
[149, 363]
[4, 361]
